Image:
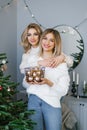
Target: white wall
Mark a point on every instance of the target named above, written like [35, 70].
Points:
[8, 36]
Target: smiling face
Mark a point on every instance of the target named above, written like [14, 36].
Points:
[48, 42]
[33, 37]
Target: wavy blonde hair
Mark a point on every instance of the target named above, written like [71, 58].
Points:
[57, 40]
[24, 39]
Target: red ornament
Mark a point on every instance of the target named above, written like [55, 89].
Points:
[0, 87]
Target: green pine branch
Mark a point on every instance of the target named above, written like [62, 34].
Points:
[13, 113]
[78, 56]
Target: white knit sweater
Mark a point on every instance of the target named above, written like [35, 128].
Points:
[27, 58]
[59, 76]
[34, 53]
[52, 95]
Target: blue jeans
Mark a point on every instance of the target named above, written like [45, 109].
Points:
[45, 114]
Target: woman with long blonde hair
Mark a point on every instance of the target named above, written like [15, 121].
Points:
[44, 97]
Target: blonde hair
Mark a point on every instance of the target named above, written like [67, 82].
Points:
[57, 41]
[24, 40]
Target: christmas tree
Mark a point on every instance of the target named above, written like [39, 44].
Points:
[78, 56]
[13, 113]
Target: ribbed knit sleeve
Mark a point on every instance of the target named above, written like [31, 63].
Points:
[24, 63]
[61, 84]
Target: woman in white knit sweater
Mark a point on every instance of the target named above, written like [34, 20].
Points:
[44, 97]
[30, 42]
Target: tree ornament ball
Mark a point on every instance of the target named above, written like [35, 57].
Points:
[8, 89]
[34, 74]
[1, 88]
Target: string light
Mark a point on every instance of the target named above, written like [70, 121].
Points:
[35, 19]
[6, 5]
[32, 15]
[83, 21]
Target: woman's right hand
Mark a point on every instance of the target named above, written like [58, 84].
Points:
[43, 81]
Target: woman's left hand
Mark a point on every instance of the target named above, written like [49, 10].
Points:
[45, 81]
[56, 61]
[53, 62]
